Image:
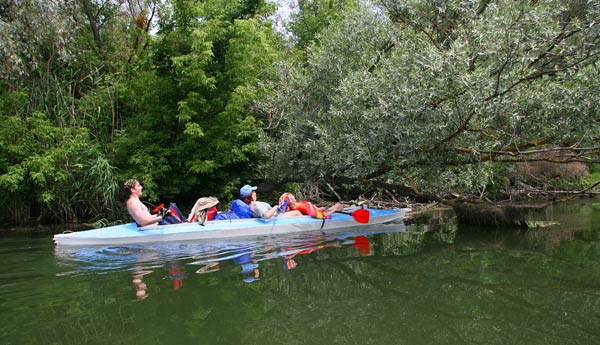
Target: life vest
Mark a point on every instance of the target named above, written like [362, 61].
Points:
[307, 208]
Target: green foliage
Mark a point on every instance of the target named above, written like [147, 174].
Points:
[188, 129]
[594, 168]
[197, 97]
[58, 108]
[594, 176]
[424, 87]
[34, 35]
[172, 109]
[311, 141]
[314, 17]
[59, 171]
[464, 179]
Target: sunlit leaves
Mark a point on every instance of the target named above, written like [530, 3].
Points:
[191, 68]
[315, 16]
[436, 84]
[201, 167]
[12, 178]
[35, 32]
[50, 166]
[194, 130]
[189, 127]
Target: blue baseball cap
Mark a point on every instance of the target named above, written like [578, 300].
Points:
[246, 190]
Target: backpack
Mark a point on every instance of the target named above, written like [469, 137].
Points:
[205, 209]
[238, 210]
[174, 216]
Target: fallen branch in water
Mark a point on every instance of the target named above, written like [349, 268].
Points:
[495, 214]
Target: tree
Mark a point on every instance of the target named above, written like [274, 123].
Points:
[100, 89]
[439, 90]
[188, 124]
[314, 16]
[48, 172]
[57, 119]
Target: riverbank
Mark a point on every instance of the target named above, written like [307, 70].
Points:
[414, 210]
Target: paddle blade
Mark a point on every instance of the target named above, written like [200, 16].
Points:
[158, 208]
[362, 244]
[361, 216]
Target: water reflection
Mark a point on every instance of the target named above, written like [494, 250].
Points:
[140, 286]
[434, 283]
[180, 259]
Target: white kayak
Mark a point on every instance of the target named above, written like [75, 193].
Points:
[131, 233]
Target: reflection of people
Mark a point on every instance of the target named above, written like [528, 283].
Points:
[138, 211]
[250, 271]
[140, 287]
[287, 202]
[209, 268]
[289, 261]
[261, 209]
[176, 273]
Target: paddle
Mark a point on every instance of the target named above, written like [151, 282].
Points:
[161, 211]
[157, 208]
[362, 244]
[360, 215]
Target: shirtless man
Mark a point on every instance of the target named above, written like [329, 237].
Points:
[138, 211]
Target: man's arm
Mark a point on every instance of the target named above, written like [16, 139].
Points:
[140, 213]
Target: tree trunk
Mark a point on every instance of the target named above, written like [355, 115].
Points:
[93, 25]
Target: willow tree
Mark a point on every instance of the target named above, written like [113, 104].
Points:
[440, 90]
[314, 16]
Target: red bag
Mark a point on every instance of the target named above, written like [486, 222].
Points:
[210, 214]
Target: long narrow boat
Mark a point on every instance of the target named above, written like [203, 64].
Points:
[131, 233]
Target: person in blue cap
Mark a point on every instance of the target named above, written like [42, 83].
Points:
[261, 209]
[238, 209]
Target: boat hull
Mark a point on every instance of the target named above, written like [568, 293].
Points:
[130, 233]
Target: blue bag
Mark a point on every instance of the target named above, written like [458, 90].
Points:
[238, 210]
[174, 215]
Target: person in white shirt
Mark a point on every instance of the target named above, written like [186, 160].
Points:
[261, 209]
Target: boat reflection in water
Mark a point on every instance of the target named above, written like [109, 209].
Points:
[181, 259]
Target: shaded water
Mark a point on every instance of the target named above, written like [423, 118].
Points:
[424, 282]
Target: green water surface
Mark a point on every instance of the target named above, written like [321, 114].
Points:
[434, 283]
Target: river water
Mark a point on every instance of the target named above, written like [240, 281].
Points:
[424, 281]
